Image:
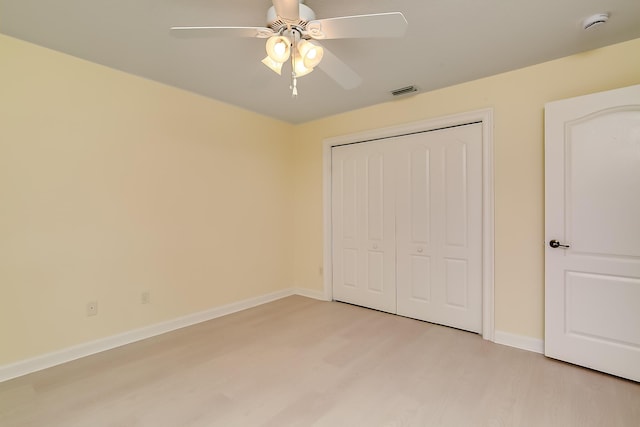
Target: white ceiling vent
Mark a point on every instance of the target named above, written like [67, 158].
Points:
[404, 91]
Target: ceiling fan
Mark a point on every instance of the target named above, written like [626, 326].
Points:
[292, 33]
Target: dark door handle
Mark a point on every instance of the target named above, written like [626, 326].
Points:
[555, 244]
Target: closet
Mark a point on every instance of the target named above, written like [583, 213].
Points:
[407, 225]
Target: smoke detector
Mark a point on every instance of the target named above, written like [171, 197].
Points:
[595, 20]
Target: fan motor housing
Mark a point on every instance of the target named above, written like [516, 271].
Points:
[276, 24]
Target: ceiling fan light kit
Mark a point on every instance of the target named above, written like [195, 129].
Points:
[290, 27]
[289, 44]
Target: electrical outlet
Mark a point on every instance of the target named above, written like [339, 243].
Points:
[145, 297]
[92, 308]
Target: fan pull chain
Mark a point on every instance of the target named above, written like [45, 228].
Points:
[294, 78]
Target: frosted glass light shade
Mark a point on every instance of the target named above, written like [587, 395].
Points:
[278, 48]
[274, 65]
[311, 53]
[299, 67]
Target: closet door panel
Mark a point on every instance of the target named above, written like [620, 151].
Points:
[444, 196]
[363, 226]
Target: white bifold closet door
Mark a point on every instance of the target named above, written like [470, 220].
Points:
[407, 225]
[364, 241]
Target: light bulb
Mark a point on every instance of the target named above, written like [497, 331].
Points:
[278, 48]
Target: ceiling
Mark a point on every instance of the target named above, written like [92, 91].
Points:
[447, 42]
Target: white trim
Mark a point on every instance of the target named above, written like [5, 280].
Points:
[486, 117]
[519, 341]
[488, 201]
[48, 360]
[310, 293]
[327, 264]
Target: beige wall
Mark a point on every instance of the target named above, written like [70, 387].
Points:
[111, 185]
[518, 100]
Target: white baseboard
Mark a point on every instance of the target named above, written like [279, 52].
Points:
[519, 341]
[310, 293]
[48, 360]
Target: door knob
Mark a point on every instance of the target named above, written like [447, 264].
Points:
[555, 244]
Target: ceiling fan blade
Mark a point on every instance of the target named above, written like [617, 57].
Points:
[288, 10]
[392, 24]
[339, 71]
[197, 32]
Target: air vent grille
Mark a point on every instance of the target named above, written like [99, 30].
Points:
[404, 91]
[279, 24]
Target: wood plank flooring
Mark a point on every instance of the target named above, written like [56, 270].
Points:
[301, 362]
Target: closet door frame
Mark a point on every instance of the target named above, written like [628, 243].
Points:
[484, 116]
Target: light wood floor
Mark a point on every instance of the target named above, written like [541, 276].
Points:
[301, 362]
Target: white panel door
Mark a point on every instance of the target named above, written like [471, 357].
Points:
[439, 226]
[592, 285]
[364, 266]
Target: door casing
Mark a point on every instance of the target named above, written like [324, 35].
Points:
[484, 116]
